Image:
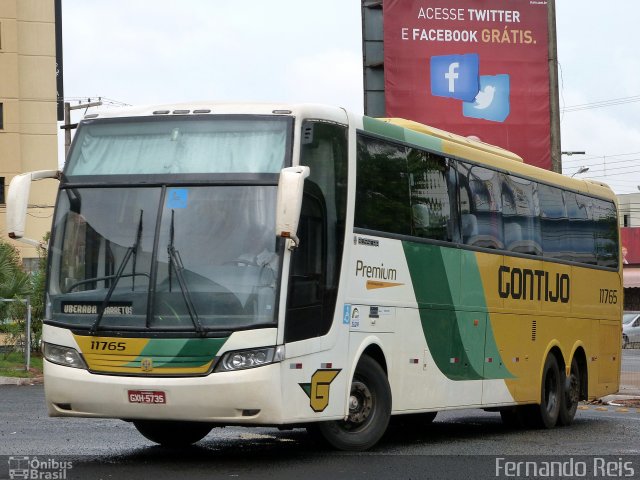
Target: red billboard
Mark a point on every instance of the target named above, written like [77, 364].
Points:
[473, 67]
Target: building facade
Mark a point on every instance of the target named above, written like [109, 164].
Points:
[629, 208]
[28, 128]
[629, 205]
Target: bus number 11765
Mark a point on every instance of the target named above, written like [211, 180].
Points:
[608, 296]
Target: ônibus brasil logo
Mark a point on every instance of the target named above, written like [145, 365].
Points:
[38, 468]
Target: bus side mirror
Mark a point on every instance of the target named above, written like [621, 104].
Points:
[289, 204]
[18, 200]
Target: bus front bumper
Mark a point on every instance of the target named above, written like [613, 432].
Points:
[251, 396]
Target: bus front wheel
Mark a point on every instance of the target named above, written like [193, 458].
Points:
[172, 433]
[369, 410]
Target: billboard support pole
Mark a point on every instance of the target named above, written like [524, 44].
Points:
[556, 156]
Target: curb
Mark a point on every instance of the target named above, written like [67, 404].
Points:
[21, 381]
[622, 395]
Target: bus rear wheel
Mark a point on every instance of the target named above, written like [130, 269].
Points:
[545, 415]
[369, 410]
[571, 396]
[172, 433]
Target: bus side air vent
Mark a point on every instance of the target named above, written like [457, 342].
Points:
[307, 134]
[534, 330]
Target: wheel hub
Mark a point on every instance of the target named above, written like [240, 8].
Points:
[360, 403]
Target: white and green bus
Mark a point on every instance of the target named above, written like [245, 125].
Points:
[301, 266]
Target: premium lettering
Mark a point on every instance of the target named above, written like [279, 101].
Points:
[379, 273]
[526, 284]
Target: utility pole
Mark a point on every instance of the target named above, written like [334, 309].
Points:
[554, 100]
[68, 126]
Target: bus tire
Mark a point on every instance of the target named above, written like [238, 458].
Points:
[172, 433]
[369, 410]
[571, 395]
[545, 415]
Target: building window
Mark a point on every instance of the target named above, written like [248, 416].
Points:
[2, 191]
[625, 220]
[1, 116]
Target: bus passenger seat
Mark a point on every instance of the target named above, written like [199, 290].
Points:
[469, 226]
[512, 234]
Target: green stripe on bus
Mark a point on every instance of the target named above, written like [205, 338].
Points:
[461, 342]
[180, 352]
[402, 134]
[493, 366]
[422, 140]
[383, 128]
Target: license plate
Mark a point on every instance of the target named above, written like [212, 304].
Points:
[147, 396]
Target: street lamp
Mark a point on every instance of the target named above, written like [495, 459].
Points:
[580, 170]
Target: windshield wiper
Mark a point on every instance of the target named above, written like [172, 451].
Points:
[100, 279]
[176, 262]
[131, 251]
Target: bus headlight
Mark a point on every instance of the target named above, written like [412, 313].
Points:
[256, 357]
[67, 356]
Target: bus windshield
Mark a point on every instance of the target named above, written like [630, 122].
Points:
[165, 257]
[179, 145]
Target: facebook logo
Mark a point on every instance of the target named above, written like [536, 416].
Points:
[455, 76]
[492, 102]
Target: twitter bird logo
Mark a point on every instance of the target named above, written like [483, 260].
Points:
[492, 101]
[485, 97]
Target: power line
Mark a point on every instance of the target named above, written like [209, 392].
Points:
[619, 173]
[615, 170]
[601, 104]
[595, 157]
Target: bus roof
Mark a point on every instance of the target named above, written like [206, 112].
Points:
[453, 138]
[302, 110]
[396, 128]
[480, 152]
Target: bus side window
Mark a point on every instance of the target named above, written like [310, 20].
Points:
[382, 187]
[605, 226]
[482, 225]
[554, 223]
[511, 226]
[429, 183]
[520, 215]
[580, 225]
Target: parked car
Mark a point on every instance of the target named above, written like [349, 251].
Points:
[630, 328]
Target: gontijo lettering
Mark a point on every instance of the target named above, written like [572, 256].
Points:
[526, 284]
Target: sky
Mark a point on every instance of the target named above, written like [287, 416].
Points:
[142, 52]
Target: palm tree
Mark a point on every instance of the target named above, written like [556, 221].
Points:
[14, 284]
